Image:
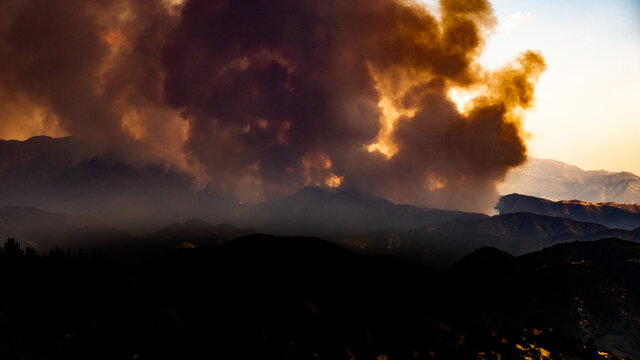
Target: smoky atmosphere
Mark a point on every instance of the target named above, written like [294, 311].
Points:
[303, 179]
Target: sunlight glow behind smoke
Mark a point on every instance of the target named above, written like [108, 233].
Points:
[462, 98]
[513, 22]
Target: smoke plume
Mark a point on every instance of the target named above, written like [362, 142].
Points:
[259, 98]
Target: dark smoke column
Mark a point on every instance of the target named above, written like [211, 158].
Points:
[282, 94]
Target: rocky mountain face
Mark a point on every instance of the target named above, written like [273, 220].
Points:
[556, 180]
[613, 215]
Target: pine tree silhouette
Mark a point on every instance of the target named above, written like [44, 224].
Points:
[11, 248]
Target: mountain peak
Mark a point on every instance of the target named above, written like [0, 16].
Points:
[556, 180]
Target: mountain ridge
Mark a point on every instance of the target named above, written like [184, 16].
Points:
[68, 175]
[337, 213]
[440, 246]
[613, 215]
[553, 179]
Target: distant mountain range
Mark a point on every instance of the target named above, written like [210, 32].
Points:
[437, 238]
[38, 228]
[516, 233]
[66, 175]
[337, 213]
[613, 215]
[44, 231]
[433, 237]
[552, 179]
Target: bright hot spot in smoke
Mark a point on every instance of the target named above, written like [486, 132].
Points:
[462, 98]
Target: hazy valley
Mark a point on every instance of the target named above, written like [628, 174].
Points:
[540, 279]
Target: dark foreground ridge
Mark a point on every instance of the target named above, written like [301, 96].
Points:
[267, 297]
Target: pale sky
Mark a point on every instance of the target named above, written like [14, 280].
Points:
[588, 101]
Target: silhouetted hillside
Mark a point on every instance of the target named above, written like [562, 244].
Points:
[268, 297]
[199, 232]
[125, 249]
[621, 216]
[588, 289]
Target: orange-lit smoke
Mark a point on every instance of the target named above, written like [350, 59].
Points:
[263, 97]
[90, 69]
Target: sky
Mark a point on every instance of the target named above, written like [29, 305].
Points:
[587, 110]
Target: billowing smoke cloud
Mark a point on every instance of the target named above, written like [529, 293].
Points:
[91, 69]
[263, 97]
